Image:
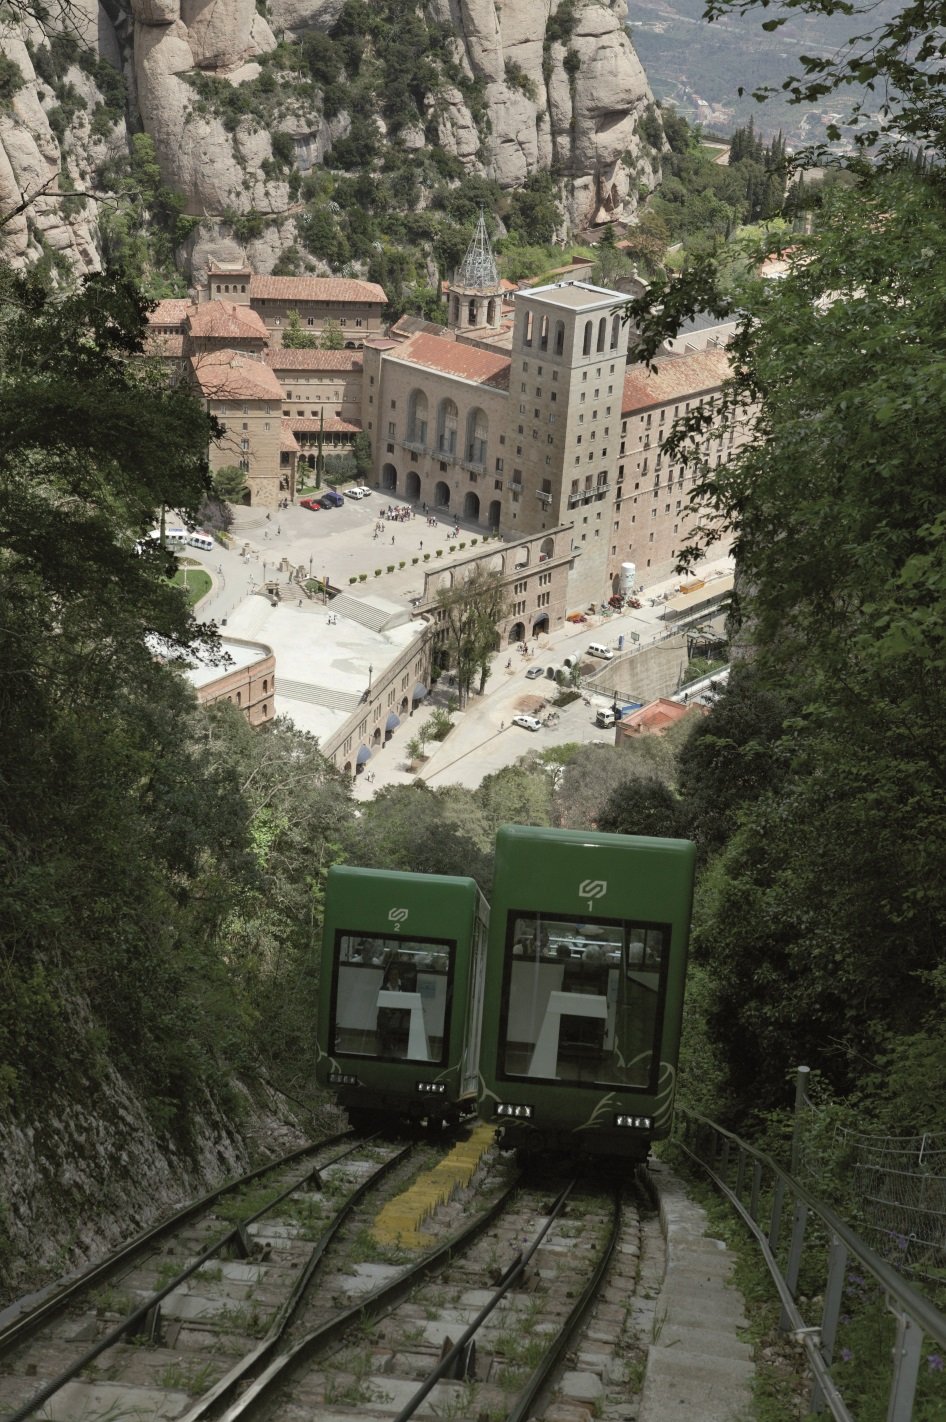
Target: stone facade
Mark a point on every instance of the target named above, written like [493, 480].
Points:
[249, 683]
[246, 398]
[652, 523]
[535, 573]
[553, 435]
[392, 698]
[356, 307]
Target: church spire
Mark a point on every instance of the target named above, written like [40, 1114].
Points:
[478, 270]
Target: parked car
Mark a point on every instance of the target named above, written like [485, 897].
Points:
[534, 673]
[313, 505]
[331, 499]
[528, 723]
[355, 492]
[365, 491]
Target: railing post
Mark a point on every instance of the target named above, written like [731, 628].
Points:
[775, 1228]
[833, 1293]
[906, 1365]
[756, 1188]
[802, 1075]
[740, 1172]
[799, 1221]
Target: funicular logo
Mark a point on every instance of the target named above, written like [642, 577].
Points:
[397, 916]
[591, 889]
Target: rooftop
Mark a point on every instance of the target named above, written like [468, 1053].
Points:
[453, 358]
[333, 425]
[240, 654]
[311, 652]
[675, 377]
[291, 359]
[234, 375]
[575, 295]
[272, 288]
[225, 321]
[171, 312]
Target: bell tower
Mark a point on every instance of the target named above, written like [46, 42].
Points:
[475, 296]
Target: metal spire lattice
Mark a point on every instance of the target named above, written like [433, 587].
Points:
[478, 268]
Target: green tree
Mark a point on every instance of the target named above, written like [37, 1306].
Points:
[470, 612]
[229, 483]
[296, 337]
[332, 337]
[642, 805]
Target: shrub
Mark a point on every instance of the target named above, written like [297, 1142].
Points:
[462, 546]
[401, 564]
[390, 567]
[353, 579]
[426, 557]
[361, 577]
[474, 541]
[439, 553]
[377, 572]
[413, 562]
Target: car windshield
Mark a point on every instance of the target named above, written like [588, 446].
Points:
[582, 1000]
[392, 997]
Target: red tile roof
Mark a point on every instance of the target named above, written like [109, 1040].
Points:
[333, 425]
[224, 320]
[676, 378]
[234, 375]
[287, 439]
[452, 358]
[167, 344]
[283, 359]
[171, 312]
[341, 289]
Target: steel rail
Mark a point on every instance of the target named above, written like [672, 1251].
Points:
[536, 1385]
[511, 1276]
[139, 1314]
[370, 1306]
[55, 1302]
[219, 1394]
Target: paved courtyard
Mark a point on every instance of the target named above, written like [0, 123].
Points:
[345, 542]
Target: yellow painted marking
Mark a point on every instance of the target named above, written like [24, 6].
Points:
[400, 1220]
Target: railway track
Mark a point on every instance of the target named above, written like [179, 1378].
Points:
[313, 1293]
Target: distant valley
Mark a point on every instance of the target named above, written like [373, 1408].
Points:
[700, 67]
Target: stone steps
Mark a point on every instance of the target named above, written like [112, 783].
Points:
[317, 695]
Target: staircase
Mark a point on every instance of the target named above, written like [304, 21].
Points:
[316, 695]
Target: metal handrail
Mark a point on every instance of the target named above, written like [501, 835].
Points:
[739, 1171]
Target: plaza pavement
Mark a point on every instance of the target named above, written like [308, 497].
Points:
[341, 543]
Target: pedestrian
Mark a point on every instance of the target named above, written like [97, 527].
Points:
[508, 663]
[392, 537]
[422, 545]
[502, 725]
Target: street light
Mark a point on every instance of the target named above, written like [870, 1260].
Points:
[325, 588]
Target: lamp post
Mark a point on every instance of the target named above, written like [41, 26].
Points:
[310, 565]
[325, 588]
[370, 670]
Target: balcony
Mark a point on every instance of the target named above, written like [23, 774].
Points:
[514, 486]
[545, 498]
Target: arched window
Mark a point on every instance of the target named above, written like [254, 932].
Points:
[602, 332]
[586, 346]
[527, 329]
[544, 334]
[417, 418]
[559, 337]
[456, 310]
[491, 312]
[447, 427]
[615, 330]
[265, 685]
[477, 433]
[471, 312]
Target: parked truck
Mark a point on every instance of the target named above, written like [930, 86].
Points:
[607, 715]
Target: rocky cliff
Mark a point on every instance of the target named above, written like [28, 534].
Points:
[509, 88]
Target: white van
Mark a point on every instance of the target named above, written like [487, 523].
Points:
[598, 649]
[201, 540]
[175, 537]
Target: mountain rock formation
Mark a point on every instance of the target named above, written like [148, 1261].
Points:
[512, 88]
